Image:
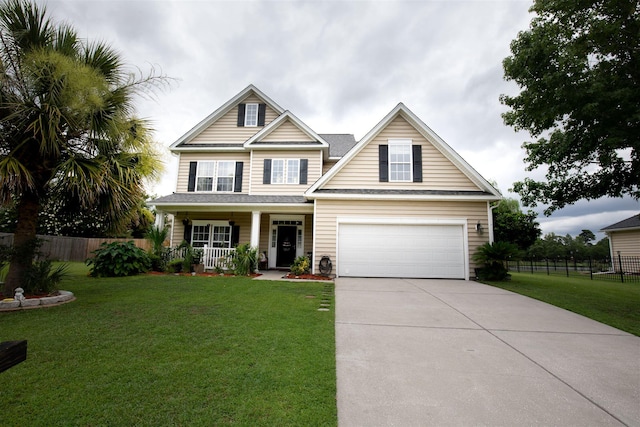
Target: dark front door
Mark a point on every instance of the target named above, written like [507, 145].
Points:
[286, 245]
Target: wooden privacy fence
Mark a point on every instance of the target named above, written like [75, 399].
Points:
[61, 248]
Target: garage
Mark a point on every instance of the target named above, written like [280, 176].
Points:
[371, 249]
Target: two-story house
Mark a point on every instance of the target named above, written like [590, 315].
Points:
[398, 203]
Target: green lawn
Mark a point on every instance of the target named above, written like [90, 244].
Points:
[616, 304]
[173, 350]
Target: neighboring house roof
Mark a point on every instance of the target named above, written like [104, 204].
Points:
[486, 189]
[211, 118]
[631, 223]
[339, 143]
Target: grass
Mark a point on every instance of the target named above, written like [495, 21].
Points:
[613, 303]
[173, 350]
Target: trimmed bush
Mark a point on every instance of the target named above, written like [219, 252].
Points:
[119, 259]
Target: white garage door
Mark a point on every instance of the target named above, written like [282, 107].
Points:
[392, 250]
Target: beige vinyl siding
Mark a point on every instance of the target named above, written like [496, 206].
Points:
[226, 129]
[328, 164]
[625, 242]
[186, 158]
[438, 173]
[327, 212]
[257, 168]
[287, 131]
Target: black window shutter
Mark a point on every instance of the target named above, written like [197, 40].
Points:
[304, 166]
[417, 163]
[383, 162]
[187, 232]
[262, 110]
[241, 108]
[193, 166]
[235, 235]
[237, 185]
[266, 174]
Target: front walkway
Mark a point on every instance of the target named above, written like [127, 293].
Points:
[437, 352]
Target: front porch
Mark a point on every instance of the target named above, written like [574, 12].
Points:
[279, 237]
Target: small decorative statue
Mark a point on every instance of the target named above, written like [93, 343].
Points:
[19, 296]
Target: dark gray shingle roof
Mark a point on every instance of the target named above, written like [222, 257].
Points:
[632, 222]
[339, 143]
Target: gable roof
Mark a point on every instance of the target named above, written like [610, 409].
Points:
[224, 109]
[316, 140]
[486, 189]
[631, 223]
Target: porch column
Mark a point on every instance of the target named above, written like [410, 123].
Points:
[255, 229]
[159, 219]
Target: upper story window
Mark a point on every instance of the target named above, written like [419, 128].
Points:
[400, 160]
[251, 115]
[215, 176]
[285, 171]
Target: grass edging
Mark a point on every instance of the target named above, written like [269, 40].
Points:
[612, 303]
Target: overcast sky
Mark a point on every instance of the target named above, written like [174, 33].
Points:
[340, 67]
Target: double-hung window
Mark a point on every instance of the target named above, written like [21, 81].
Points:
[285, 171]
[225, 175]
[400, 160]
[251, 115]
[215, 176]
[221, 237]
[205, 175]
[200, 235]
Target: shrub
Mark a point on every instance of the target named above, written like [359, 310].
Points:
[175, 266]
[300, 266]
[119, 259]
[43, 278]
[244, 260]
[493, 257]
[158, 253]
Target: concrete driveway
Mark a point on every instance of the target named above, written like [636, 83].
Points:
[442, 352]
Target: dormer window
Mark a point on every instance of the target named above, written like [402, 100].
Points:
[251, 115]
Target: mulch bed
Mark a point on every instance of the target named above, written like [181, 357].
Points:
[307, 277]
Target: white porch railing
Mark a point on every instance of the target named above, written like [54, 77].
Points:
[215, 257]
[211, 257]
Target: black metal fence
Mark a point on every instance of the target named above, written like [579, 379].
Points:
[620, 268]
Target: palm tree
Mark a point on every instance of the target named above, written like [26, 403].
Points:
[67, 125]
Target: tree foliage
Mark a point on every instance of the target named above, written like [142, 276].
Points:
[511, 225]
[67, 125]
[552, 246]
[578, 68]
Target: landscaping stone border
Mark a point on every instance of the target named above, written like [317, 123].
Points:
[63, 297]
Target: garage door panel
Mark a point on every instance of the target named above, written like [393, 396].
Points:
[380, 250]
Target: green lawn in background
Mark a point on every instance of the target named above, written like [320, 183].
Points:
[173, 350]
[613, 303]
